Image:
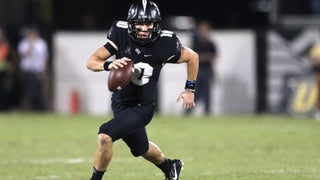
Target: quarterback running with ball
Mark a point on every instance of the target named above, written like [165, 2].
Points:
[141, 40]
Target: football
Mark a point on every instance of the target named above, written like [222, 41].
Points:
[121, 77]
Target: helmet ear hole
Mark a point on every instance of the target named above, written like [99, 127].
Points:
[144, 11]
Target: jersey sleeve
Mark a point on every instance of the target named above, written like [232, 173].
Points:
[172, 46]
[113, 39]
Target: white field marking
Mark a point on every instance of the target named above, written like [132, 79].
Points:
[58, 161]
[6, 177]
[47, 177]
[36, 178]
[48, 161]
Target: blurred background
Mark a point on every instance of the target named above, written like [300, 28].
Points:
[263, 64]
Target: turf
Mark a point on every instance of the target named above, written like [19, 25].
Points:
[48, 146]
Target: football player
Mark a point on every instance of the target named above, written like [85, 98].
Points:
[140, 39]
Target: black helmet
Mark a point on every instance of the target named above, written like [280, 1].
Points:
[144, 11]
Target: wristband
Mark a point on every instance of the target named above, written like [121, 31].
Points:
[106, 65]
[189, 90]
[190, 86]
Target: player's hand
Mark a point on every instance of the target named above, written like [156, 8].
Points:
[118, 63]
[187, 98]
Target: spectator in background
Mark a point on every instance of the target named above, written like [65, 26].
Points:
[7, 70]
[206, 49]
[33, 51]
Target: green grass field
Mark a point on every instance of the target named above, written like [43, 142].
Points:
[46, 146]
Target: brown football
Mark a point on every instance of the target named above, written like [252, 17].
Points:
[121, 77]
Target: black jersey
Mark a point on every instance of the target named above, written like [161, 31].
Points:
[149, 59]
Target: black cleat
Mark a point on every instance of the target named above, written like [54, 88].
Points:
[174, 173]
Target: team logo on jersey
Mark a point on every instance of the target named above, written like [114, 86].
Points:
[128, 50]
[137, 51]
[109, 34]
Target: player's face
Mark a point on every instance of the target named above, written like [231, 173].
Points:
[144, 29]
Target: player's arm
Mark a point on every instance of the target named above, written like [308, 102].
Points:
[97, 59]
[192, 59]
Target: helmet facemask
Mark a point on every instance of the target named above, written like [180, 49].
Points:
[154, 32]
[144, 12]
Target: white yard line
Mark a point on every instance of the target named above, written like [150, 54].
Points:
[47, 177]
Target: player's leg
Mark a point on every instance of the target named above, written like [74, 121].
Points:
[102, 156]
[139, 146]
[154, 154]
[125, 122]
[108, 133]
[170, 167]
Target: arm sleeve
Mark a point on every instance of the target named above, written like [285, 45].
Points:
[112, 39]
[173, 46]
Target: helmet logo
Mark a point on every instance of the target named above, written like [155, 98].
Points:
[144, 4]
